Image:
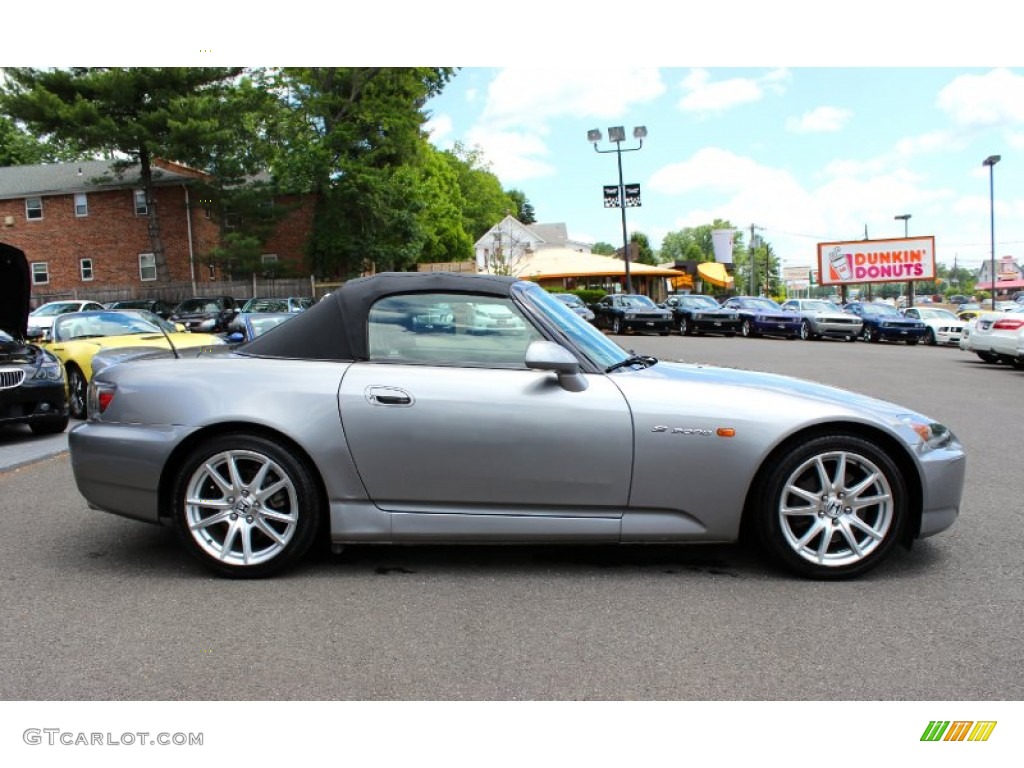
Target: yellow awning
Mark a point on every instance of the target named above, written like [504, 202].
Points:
[714, 273]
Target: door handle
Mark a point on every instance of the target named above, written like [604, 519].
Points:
[388, 396]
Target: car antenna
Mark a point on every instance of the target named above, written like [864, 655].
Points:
[167, 336]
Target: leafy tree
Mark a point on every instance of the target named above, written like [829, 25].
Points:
[603, 249]
[441, 220]
[645, 254]
[132, 112]
[523, 209]
[485, 202]
[353, 136]
[18, 147]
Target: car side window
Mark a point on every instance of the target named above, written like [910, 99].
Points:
[449, 330]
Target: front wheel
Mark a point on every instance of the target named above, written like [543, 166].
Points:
[806, 333]
[747, 329]
[684, 326]
[78, 390]
[867, 335]
[245, 506]
[930, 338]
[832, 508]
[616, 325]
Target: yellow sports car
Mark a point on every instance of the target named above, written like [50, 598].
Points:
[77, 336]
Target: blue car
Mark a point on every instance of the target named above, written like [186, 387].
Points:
[763, 317]
[885, 323]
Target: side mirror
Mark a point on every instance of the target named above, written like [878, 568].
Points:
[236, 338]
[548, 356]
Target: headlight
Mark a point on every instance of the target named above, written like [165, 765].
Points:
[932, 434]
[630, 316]
[49, 369]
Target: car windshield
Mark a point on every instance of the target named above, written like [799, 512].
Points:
[936, 314]
[58, 308]
[699, 302]
[881, 309]
[766, 304]
[261, 325]
[636, 300]
[199, 305]
[88, 325]
[266, 305]
[818, 306]
[570, 299]
[140, 304]
[597, 347]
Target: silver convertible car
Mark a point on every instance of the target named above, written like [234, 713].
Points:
[362, 420]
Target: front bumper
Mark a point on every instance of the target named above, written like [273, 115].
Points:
[33, 400]
[776, 327]
[942, 479]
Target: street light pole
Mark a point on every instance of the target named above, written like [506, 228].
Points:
[991, 161]
[905, 217]
[617, 135]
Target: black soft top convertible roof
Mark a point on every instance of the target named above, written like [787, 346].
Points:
[335, 328]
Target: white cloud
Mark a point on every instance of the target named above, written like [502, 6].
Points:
[992, 99]
[704, 97]
[820, 120]
[439, 128]
[513, 156]
[518, 97]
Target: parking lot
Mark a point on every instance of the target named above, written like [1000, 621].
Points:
[97, 607]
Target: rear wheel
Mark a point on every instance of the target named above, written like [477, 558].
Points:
[988, 357]
[78, 391]
[245, 506]
[833, 508]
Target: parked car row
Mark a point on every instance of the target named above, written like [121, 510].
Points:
[997, 337]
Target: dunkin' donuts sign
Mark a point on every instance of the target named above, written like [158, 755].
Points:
[877, 261]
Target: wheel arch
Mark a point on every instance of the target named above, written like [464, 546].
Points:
[891, 445]
[181, 451]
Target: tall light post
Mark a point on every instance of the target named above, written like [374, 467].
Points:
[617, 135]
[991, 161]
[905, 217]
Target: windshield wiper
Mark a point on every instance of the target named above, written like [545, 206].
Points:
[643, 360]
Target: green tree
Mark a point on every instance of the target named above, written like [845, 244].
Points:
[485, 203]
[353, 136]
[19, 147]
[603, 249]
[523, 208]
[441, 220]
[645, 254]
[131, 112]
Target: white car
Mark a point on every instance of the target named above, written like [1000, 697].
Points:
[943, 326]
[40, 319]
[996, 338]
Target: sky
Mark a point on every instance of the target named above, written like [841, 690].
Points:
[807, 154]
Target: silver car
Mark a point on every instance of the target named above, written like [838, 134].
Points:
[823, 319]
[355, 422]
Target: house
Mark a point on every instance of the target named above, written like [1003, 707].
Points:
[508, 241]
[84, 229]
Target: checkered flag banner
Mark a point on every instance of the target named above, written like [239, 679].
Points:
[632, 195]
[611, 197]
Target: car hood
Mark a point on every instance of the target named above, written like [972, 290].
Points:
[758, 397]
[18, 353]
[15, 290]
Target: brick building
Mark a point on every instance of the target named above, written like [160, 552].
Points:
[84, 230]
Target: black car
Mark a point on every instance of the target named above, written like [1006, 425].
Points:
[156, 306]
[575, 303]
[622, 312]
[885, 323]
[32, 386]
[206, 314]
[694, 313]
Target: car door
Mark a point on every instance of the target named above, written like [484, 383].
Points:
[452, 433]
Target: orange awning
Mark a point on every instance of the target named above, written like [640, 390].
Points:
[714, 273]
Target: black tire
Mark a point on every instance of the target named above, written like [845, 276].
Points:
[276, 506]
[49, 426]
[817, 539]
[616, 325]
[988, 357]
[929, 337]
[806, 333]
[78, 392]
[747, 330]
[683, 325]
[867, 335]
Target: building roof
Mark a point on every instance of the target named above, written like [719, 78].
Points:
[563, 262]
[86, 176]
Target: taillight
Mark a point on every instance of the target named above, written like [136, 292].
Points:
[1008, 324]
[101, 395]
